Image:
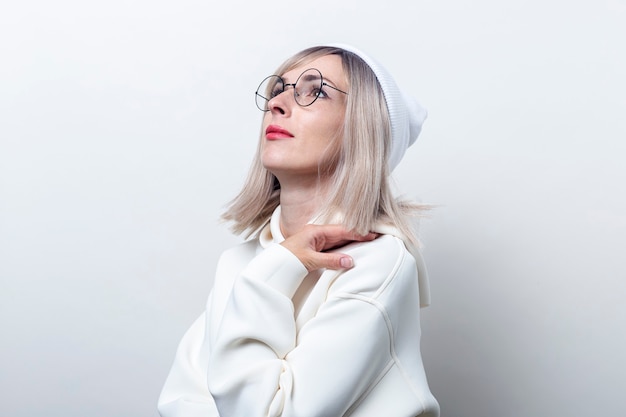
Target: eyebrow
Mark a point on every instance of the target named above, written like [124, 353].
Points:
[311, 76]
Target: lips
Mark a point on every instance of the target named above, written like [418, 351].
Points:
[274, 132]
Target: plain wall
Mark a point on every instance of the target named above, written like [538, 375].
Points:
[126, 126]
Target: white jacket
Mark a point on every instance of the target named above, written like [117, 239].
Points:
[278, 341]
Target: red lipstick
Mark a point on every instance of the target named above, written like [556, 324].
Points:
[274, 132]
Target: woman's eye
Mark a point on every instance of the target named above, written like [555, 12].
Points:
[276, 91]
[318, 92]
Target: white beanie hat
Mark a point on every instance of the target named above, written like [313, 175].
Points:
[405, 113]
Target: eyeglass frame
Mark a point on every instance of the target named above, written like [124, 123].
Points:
[285, 85]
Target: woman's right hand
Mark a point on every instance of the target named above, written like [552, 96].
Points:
[311, 243]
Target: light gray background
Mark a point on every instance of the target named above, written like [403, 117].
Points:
[126, 125]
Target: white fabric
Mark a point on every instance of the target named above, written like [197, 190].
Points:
[406, 114]
[384, 229]
[278, 341]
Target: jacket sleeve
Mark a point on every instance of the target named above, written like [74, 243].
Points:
[260, 365]
[185, 393]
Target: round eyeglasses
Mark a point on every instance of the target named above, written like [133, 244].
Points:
[307, 88]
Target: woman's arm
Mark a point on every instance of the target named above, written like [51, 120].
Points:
[185, 393]
[260, 365]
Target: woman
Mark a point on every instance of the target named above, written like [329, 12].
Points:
[318, 314]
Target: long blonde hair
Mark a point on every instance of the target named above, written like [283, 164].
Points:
[360, 194]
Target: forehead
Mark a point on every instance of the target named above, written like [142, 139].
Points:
[330, 66]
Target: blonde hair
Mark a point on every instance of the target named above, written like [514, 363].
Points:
[360, 194]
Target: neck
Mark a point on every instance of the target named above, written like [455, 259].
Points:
[298, 205]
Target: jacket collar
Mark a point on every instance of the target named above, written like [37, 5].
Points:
[271, 232]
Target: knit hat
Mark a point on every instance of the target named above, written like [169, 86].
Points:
[405, 113]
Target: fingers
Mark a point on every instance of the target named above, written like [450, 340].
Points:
[328, 237]
[328, 261]
[312, 242]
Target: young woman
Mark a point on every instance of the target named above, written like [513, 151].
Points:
[318, 313]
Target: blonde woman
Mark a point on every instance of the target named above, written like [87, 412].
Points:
[317, 314]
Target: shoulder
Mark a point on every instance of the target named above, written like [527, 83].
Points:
[241, 249]
[238, 255]
[230, 264]
[378, 264]
[385, 253]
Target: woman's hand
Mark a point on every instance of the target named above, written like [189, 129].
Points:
[311, 243]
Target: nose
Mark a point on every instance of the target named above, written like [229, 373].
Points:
[283, 102]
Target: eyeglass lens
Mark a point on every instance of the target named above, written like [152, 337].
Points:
[307, 88]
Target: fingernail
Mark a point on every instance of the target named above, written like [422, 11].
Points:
[346, 262]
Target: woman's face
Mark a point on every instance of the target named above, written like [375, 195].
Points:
[297, 141]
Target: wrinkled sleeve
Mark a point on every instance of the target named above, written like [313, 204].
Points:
[260, 365]
[185, 393]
